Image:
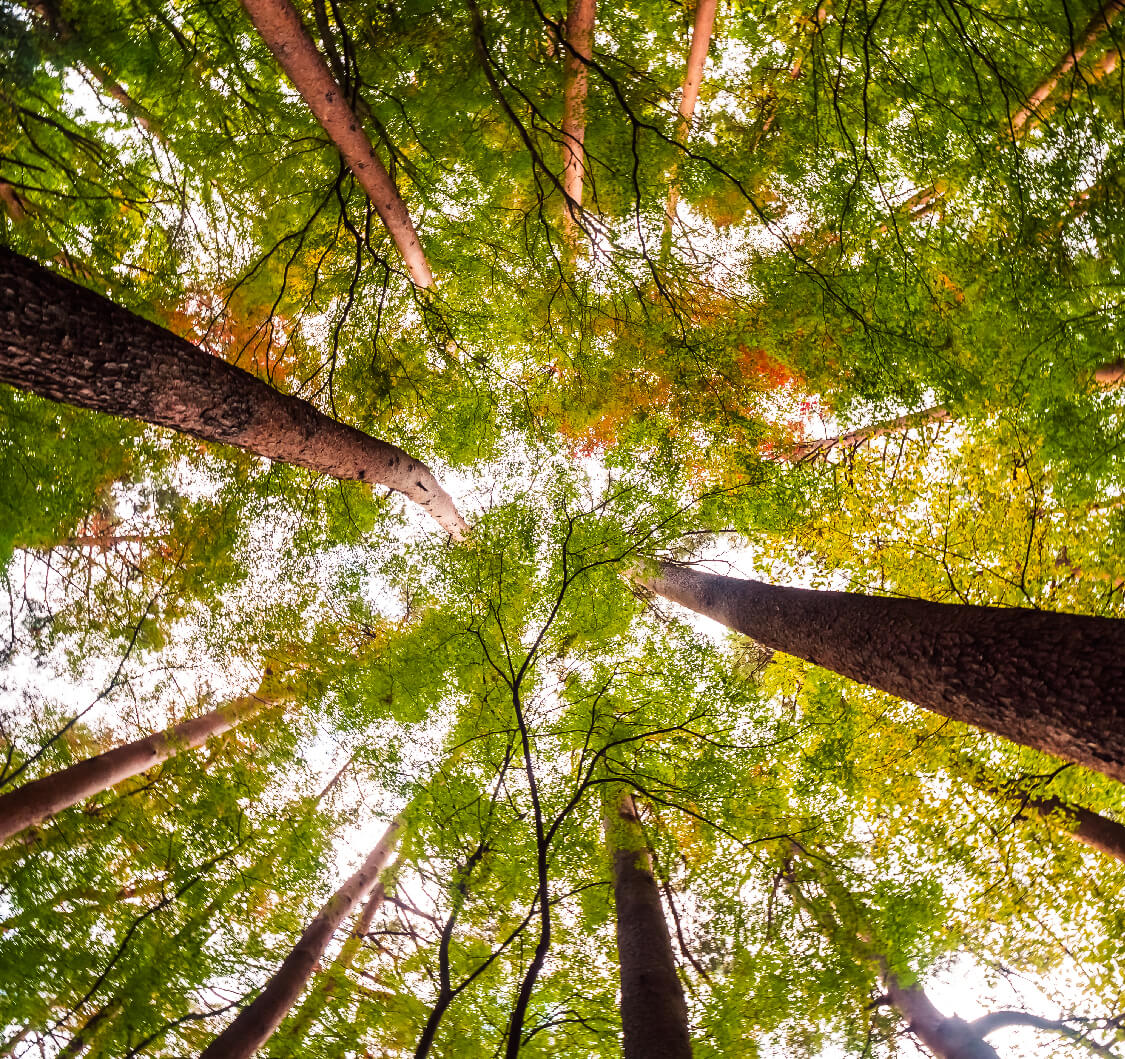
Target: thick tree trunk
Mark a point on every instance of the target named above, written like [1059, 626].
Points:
[702, 29]
[653, 1010]
[322, 993]
[579, 51]
[285, 35]
[1055, 682]
[41, 799]
[1102, 19]
[947, 1038]
[254, 1025]
[64, 342]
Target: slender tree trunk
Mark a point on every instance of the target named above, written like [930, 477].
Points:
[579, 51]
[653, 1010]
[858, 437]
[947, 1038]
[69, 344]
[1102, 19]
[702, 29]
[322, 992]
[285, 35]
[254, 1025]
[41, 799]
[1055, 682]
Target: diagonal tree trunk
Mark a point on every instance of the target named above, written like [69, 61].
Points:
[580, 49]
[1098, 25]
[947, 1037]
[1055, 682]
[653, 1009]
[702, 29]
[69, 344]
[255, 1024]
[41, 799]
[285, 35]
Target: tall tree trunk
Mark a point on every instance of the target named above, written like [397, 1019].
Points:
[701, 31]
[1102, 19]
[41, 799]
[1055, 682]
[653, 1010]
[855, 438]
[322, 992]
[254, 1025]
[285, 35]
[579, 51]
[69, 344]
[947, 1038]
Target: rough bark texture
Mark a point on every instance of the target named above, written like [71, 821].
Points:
[701, 31]
[947, 1038]
[1055, 682]
[67, 343]
[285, 35]
[580, 41]
[254, 1025]
[653, 1010]
[41, 799]
[1102, 19]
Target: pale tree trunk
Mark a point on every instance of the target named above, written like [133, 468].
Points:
[255, 1025]
[69, 344]
[946, 1037]
[285, 35]
[322, 992]
[701, 31]
[579, 51]
[1098, 25]
[1046, 680]
[855, 438]
[43, 798]
[653, 1010]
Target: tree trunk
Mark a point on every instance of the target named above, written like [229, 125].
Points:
[579, 51]
[254, 1025]
[1055, 682]
[41, 799]
[947, 1038]
[285, 35]
[1102, 19]
[653, 1010]
[69, 344]
[858, 437]
[701, 32]
[320, 995]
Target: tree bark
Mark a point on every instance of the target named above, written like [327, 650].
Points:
[1051, 681]
[579, 51]
[947, 1038]
[254, 1025]
[702, 29]
[864, 434]
[69, 344]
[285, 35]
[41, 799]
[653, 1010]
[319, 996]
[1102, 19]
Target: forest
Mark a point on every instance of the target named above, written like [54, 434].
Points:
[562, 529]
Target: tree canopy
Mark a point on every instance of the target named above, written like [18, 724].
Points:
[837, 310]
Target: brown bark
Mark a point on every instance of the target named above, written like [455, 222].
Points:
[14, 205]
[1051, 681]
[702, 29]
[255, 1024]
[1102, 19]
[653, 1010]
[41, 799]
[580, 49]
[69, 344]
[286, 37]
[320, 995]
[947, 1038]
